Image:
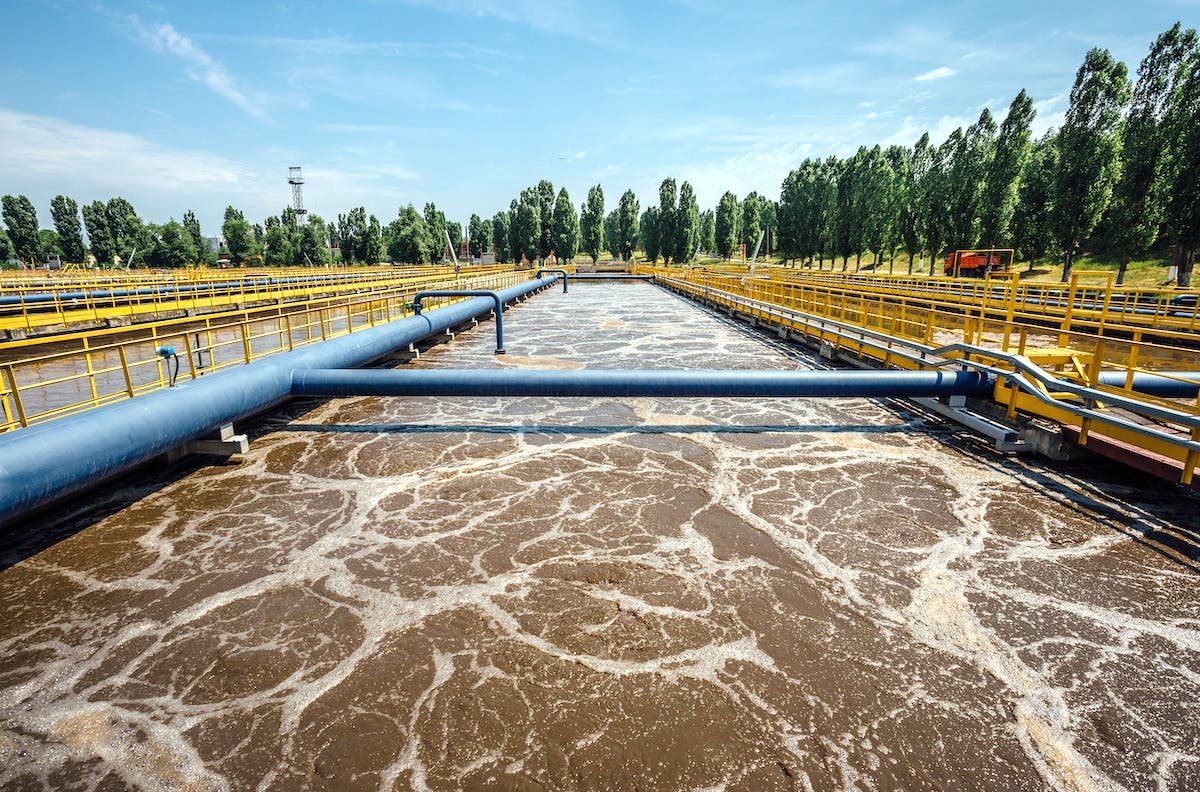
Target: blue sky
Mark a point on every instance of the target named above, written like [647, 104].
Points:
[192, 105]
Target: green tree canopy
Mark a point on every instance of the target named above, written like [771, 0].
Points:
[408, 237]
[239, 236]
[501, 235]
[627, 225]
[648, 232]
[565, 227]
[21, 220]
[687, 225]
[1003, 175]
[49, 245]
[475, 234]
[1089, 150]
[728, 220]
[545, 205]
[528, 225]
[100, 234]
[435, 221]
[664, 220]
[1182, 159]
[1031, 230]
[65, 212]
[708, 231]
[173, 246]
[591, 223]
[751, 223]
[1136, 212]
[192, 226]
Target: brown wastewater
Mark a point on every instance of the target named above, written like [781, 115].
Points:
[606, 594]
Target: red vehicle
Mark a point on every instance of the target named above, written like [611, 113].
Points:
[978, 263]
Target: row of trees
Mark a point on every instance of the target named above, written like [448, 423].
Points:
[114, 232]
[1121, 175]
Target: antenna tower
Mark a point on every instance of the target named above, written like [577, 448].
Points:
[296, 180]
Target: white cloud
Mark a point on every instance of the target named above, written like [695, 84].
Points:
[940, 73]
[201, 66]
[575, 18]
[42, 156]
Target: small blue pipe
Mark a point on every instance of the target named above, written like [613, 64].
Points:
[562, 272]
[618, 383]
[468, 293]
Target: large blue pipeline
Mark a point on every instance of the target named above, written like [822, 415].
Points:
[48, 461]
[618, 383]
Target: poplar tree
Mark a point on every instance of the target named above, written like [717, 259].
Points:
[1003, 179]
[408, 236]
[100, 234]
[500, 236]
[933, 215]
[6, 247]
[664, 220]
[727, 221]
[612, 230]
[311, 249]
[687, 225]
[192, 226]
[1031, 230]
[825, 220]
[435, 223]
[874, 198]
[791, 199]
[21, 219]
[514, 236]
[648, 231]
[129, 232]
[1183, 163]
[1137, 210]
[970, 160]
[545, 204]
[564, 228]
[1089, 151]
[912, 227]
[708, 231]
[591, 223]
[66, 222]
[529, 225]
[627, 225]
[751, 222]
[173, 246]
[845, 232]
[278, 247]
[899, 160]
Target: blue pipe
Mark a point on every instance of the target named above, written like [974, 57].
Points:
[563, 272]
[468, 293]
[45, 462]
[1156, 384]
[631, 383]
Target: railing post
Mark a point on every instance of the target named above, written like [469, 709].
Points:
[245, 340]
[16, 394]
[125, 370]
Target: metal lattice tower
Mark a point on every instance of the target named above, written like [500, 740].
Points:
[296, 180]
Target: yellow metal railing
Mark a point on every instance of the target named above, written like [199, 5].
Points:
[896, 331]
[37, 302]
[48, 386]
